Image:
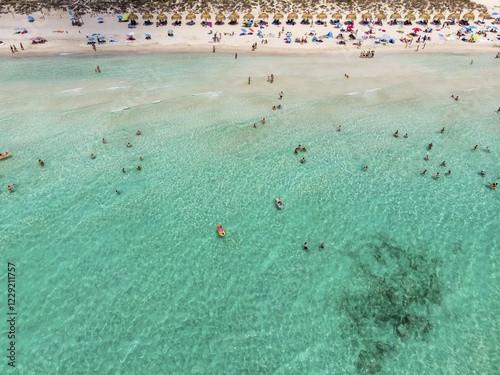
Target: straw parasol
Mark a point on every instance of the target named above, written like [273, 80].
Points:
[366, 16]
[337, 16]
[381, 16]
[234, 17]
[220, 17]
[322, 16]
[161, 17]
[484, 15]
[439, 16]
[454, 15]
[292, 16]
[277, 16]
[424, 16]
[191, 16]
[469, 16]
[396, 16]
[350, 16]
[176, 17]
[147, 16]
[249, 16]
[206, 16]
[133, 17]
[263, 16]
[307, 16]
[410, 17]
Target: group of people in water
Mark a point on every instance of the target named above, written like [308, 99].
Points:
[306, 246]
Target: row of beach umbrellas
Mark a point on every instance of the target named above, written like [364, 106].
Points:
[308, 16]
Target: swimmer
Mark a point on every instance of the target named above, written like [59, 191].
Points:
[430, 146]
[443, 163]
[442, 130]
[92, 156]
[493, 185]
[448, 173]
[456, 98]
[138, 168]
[437, 175]
[303, 149]
[483, 173]
[254, 125]
[10, 187]
[123, 170]
[118, 192]
[396, 134]
[306, 246]
[129, 145]
[487, 149]
[322, 245]
[340, 128]
[138, 132]
[297, 150]
[476, 147]
[406, 135]
[279, 106]
[103, 140]
[303, 160]
[141, 158]
[365, 167]
[424, 171]
[40, 161]
[263, 121]
[498, 110]
[426, 157]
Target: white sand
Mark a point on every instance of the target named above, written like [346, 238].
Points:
[73, 39]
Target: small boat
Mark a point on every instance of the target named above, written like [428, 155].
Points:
[221, 231]
[6, 155]
[279, 203]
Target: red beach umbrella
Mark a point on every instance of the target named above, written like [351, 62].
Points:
[416, 29]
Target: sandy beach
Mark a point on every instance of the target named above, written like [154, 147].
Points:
[62, 37]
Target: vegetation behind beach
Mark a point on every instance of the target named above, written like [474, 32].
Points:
[270, 6]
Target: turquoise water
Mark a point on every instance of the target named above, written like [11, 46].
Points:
[408, 281]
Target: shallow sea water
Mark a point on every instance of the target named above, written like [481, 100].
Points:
[140, 283]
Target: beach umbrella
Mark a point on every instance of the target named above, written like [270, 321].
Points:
[206, 16]
[234, 16]
[322, 16]
[484, 15]
[249, 16]
[176, 17]
[469, 16]
[410, 17]
[439, 16]
[161, 17]
[191, 16]
[125, 17]
[220, 17]
[381, 16]
[277, 16]
[147, 16]
[31, 19]
[263, 16]
[100, 20]
[424, 16]
[133, 17]
[350, 16]
[454, 15]
[292, 16]
[307, 16]
[337, 16]
[366, 16]
[396, 16]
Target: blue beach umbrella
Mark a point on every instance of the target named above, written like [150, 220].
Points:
[119, 16]
[244, 31]
[72, 19]
[31, 19]
[100, 20]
